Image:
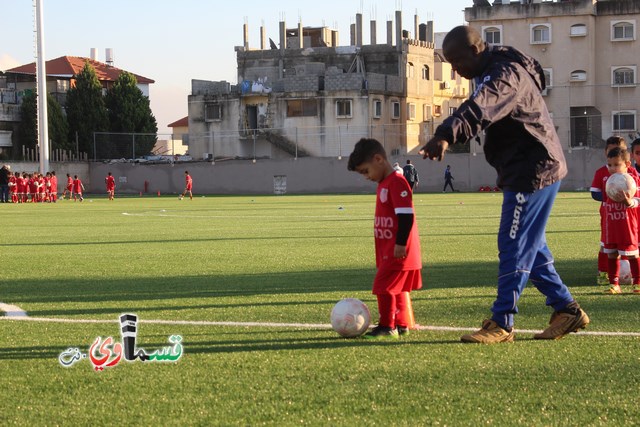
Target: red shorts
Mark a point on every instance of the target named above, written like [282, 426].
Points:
[189, 187]
[624, 249]
[111, 188]
[393, 282]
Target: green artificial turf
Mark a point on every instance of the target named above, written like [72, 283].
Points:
[288, 259]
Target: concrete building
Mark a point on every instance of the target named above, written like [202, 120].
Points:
[590, 52]
[308, 96]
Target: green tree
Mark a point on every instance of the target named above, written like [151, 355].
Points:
[28, 128]
[129, 111]
[86, 111]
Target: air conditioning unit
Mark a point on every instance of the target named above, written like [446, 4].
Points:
[445, 85]
[207, 156]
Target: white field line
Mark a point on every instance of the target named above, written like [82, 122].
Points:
[17, 314]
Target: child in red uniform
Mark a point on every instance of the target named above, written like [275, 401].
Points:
[398, 258]
[621, 225]
[68, 188]
[54, 186]
[33, 187]
[188, 185]
[599, 194]
[78, 188]
[110, 181]
[22, 188]
[13, 187]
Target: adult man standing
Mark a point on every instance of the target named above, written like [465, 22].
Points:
[5, 173]
[410, 174]
[522, 145]
[448, 177]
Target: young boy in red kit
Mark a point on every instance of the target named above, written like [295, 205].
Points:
[78, 188]
[68, 188]
[599, 194]
[188, 186]
[621, 225]
[54, 186]
[110, 182]
[397, 243]
[13, 187]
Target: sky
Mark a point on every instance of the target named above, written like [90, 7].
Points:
[173, 42]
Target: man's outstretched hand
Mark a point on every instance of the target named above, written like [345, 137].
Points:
[434, 149]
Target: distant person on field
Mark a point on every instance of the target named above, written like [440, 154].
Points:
[621, 225]
[5, 174]
[447, 179]
[110, 182]
[68, 188]
[78, 188]
[599, 194]
[397, 243]
[411, 174]
[188, 186]
[523, 146]
[54, 186]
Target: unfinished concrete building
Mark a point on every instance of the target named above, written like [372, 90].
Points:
[306, 95]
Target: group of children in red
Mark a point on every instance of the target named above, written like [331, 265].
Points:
[37, 188]
[619, 221]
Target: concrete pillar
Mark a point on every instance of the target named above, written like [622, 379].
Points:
[300, 36]
[283, 35]
[430, 37]
[399, 30]
[416, 26]
[245, 36]
[358, 29]
[390, 33]
[352, 32]
[263, 38]
[373, 30]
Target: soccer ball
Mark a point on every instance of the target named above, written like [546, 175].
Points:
[625, 273]
[618, 184]
[350, 317]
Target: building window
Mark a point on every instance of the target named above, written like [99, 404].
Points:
[426, 112]
[62, 86]
[623, 30]
[548, 80]
[343, 108]
[377, 109]
[395, 110]
[212, 112]
[437, 110]
[302, 108]
[624, 121]
[426, 75]
[492, 35]
[623, 76]
[540, 33]
[578, 76]
[452, 110]
[453, 74]
[411, 111]
[409, 70]
[578, 30]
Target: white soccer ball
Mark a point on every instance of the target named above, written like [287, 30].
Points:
[350, 317]
[625, 273]
[618, 184]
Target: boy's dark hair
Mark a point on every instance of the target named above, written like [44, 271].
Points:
[635, 143]
[618, 141]
[620, 152]
[408, 161]
[186, 172]
[364, 151]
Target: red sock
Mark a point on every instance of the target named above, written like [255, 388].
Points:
[634, 266]
[387, 310]
[614, 270]
[602, 261]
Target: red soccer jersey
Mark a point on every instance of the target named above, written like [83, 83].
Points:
[621, 222]
[189, 182]
[13, 185]
[20, 181]
[77, 186]
[394, 197]
[69, 183]
[33, 186]
[54, 184]
[111, 182]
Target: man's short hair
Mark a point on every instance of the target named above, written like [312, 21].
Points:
[364, 151]
[618, 141]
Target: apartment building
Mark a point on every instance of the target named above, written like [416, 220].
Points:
[590, 53]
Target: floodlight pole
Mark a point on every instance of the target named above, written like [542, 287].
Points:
[41, 81]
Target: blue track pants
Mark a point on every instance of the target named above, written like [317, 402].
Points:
[524, 254]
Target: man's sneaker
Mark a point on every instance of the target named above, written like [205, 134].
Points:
[613, 290]
[562, 324]
[635, 289]
[490, 333]
[603, 278]
[403, 330]
[382, 332]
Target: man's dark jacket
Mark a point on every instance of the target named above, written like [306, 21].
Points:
[521, 141]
